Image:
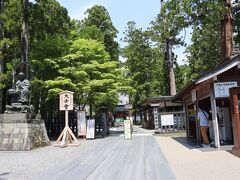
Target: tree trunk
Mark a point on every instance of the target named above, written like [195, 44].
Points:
[2, 98]
[24, 37]
[227, 32]
[170, 70]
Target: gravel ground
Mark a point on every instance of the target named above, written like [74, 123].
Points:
[195, 163]
[27, 164]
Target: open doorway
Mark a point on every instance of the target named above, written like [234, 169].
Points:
[191, 122]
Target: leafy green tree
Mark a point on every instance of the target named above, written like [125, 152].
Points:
[144, 64]
[99, 17]
[88, 71]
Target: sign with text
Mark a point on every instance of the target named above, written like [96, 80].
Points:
[90, 129]
[155, 115]
[194, 95]
[167, 120]
[82, 124]
[66, 100]
[222, 89]
[127, 129]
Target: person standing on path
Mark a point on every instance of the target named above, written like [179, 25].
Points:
[203, 118]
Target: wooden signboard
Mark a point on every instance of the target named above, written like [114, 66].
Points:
[127, 129]
[82, 124]
[66, 100]
[67, 136]
[155, 115]
[90, 129]
[222, 89]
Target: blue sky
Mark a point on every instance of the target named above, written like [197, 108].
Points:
[121, 11]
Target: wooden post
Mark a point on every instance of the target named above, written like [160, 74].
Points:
[234, 104]
[198, 133]
[215, 121]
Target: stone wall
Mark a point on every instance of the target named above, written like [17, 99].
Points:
[17, 133]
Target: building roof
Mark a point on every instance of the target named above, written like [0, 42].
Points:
[158, 99]
[120, 108]
[221, 68]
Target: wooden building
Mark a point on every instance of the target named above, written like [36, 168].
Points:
[163, 115]
[210, 91]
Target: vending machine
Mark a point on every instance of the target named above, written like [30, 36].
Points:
[225, 124]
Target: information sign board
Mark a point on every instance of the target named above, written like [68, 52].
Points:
[167, 120]
[222, 89]
[127, 129]
[66, 100]
[155, 115]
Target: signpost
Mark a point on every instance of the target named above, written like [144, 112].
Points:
[127, 129]
[155, 115]
[67, 136]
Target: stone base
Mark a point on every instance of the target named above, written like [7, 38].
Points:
[18, 133]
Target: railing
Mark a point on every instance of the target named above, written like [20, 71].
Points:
[171, 122]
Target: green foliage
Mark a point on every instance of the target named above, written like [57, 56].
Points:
[99, 17]
[87, 71]
[204, 17]
[91, 32]
[144, 64]
[204, 52]
[3, 79]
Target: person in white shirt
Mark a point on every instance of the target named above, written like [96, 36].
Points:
[203, 117]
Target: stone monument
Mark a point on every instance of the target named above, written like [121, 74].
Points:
[20, 127]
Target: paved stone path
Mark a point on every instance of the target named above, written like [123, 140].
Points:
[107, 158]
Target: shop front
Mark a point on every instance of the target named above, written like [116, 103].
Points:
[210, 91]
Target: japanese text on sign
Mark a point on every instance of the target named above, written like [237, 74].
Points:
[66, 100]
[222, 89]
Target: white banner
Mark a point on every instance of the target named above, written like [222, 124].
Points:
[82, 124]
[90, 129]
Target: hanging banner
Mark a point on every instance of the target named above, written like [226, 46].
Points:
[82, 124]
[155, 115]
[90, 129]
[127, 129]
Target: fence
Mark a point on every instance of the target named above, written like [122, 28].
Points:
[171, 122]
[55, 122]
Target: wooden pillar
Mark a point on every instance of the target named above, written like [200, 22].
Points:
[234, 105]
[215, 121]
[198, 133]
[186, 119]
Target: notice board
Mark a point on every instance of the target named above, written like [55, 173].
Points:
[90, 129]
[82, 124]
[127, 129]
